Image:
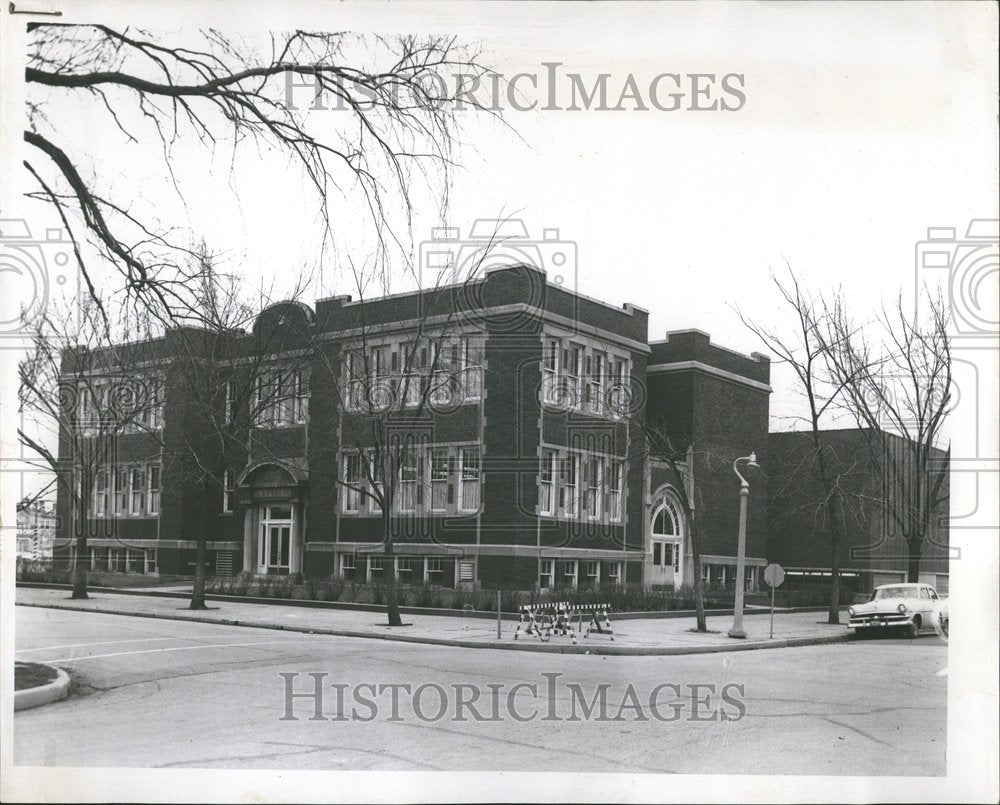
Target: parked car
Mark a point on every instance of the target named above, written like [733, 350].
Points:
[913, 607]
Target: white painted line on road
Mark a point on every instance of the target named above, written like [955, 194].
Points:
[175, 648]
[102, 643]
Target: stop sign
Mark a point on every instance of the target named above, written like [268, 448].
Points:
[774, 575]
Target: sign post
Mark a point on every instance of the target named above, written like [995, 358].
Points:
[774, 575]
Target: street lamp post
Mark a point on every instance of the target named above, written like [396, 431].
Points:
[741, 550]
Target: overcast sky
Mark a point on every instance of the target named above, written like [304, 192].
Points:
[862, 125]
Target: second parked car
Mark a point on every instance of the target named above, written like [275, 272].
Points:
[913, 607]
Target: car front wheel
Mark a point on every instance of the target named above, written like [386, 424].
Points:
[914, 627]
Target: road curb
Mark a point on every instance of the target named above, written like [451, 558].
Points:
[307, 603]
[579, 648]
[54, 691]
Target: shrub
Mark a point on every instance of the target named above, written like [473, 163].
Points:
[510, 600]
[241, 583]
[426, 596]
[264, 585]
[41, 570]
[333, 590]
[283, 587]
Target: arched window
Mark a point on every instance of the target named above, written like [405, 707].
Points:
[667, 519]
[667, 540]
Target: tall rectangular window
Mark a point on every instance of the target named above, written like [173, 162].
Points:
[120, 478]
[124, 410]
[568, 568]
[354, 371]
[382, 384]
[411, 386]
[354, 478]
[135, 561]
[592, 493]
[301, 397]
[101, 493]
[153, 474]
[472, 369]
[545, 573]
[550, 370]
[264, 400]
[594, 402]
[158, 403]
[84, 406]
[99, 559]
[470, 471]
[408, 474]
[571, 375]
[570, 468]
[227, 491]
[615, 480]
[442, 382]
[137, 491]
[619, 378]
[614, 572]
[375, 470]
[439, 479]
[546, 483]
[149, 406]
[404, 568]
[285, 393]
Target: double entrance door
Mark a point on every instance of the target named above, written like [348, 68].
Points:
[666, 561]
[274, 549]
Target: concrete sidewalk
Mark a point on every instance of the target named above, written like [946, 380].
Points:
[632, 636]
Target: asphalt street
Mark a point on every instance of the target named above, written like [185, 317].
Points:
[168, 694]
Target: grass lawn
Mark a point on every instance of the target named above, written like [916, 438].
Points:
[32, 675]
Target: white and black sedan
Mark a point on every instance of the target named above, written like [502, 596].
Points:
[913, 607]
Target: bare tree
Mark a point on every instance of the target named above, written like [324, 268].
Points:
[76, 404]
[805, 350]
[898, 389]
[387, 399]
[230, 379]
[395, 124]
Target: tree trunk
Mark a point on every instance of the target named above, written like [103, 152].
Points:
[80, 572]
[80, 558]
[389, 563]
[833, 614]
[198, 590]
[699, 589]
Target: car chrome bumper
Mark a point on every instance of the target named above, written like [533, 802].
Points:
[881, 623]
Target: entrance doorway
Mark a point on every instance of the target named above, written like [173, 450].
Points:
[666, 543]
[274, 555]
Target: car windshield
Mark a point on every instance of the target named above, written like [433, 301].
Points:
[893, 592]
